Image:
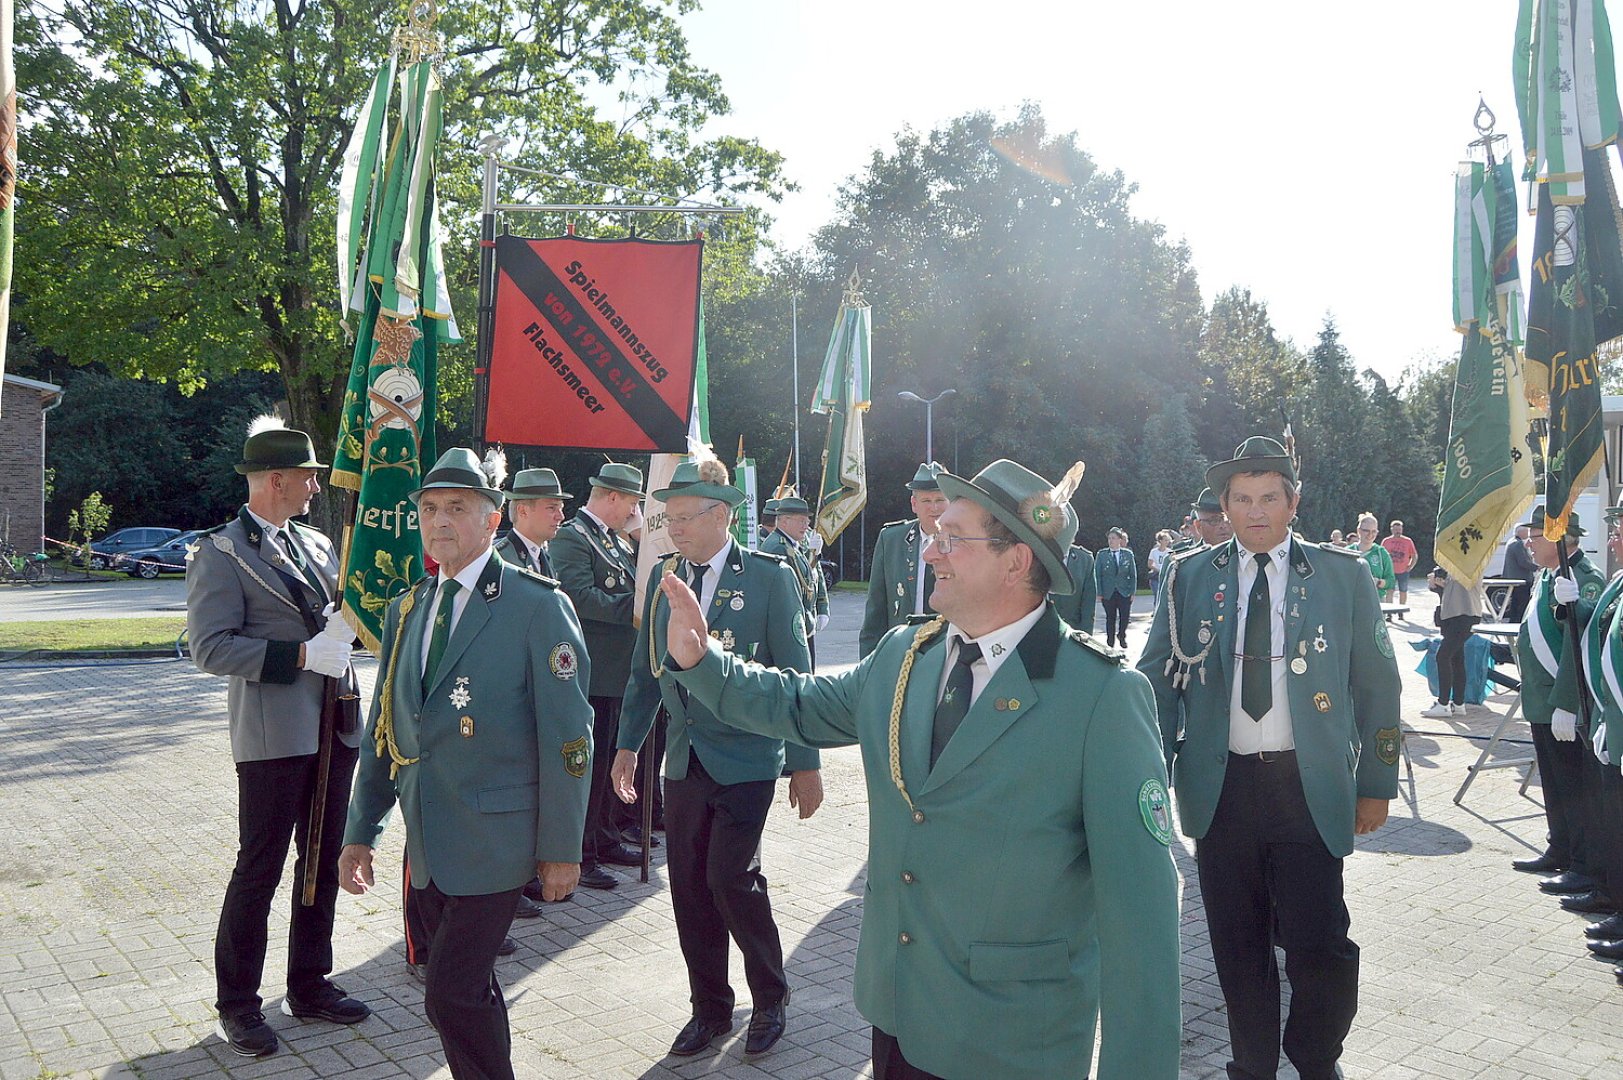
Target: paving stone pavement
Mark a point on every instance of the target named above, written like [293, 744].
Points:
[117, 790]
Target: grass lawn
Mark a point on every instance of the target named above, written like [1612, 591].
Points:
[65, 634]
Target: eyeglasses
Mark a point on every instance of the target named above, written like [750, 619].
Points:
[686, 519]
[944, 543]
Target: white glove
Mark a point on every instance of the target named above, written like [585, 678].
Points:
[1564, 725]
[822, 622]
[1565, 590]
[328, 652]
[814, 541]
[633, 527]
[1600, 745]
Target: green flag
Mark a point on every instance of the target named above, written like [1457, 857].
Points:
[386, 431]
[1488, 471]
[8, 167]
[842, 393]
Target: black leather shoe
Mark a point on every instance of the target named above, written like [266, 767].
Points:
[1608, 929]
[766, 1027]
[418, 971]
[507, 948]
[527, 909]
[1594, 902]
[620, 855]
[1607, 950]
[327, 1002]
[247, 1034]
[1541, 865]
[595, 877]
[1567, 883]
[1618, 971]
[633, 837]
[532, 889]
[698, 1034]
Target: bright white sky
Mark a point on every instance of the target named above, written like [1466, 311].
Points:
[1304, 150]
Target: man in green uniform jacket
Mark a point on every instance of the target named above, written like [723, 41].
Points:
[481, 731]
[1283, 736]
[1077, 606]
[1541, 647]
[1020, 889]
[719, 781]
[535, 505]
[787, 541]
[899, 580]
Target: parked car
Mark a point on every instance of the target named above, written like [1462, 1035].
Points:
[109, 550]
[168, 557]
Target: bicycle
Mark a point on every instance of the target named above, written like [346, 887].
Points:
[22, 569]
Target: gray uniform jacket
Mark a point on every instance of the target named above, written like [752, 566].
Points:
[244, 622]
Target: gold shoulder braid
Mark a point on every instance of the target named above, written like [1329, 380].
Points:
[668, 568]
[1182, 660]
[384, 735]
[926, 632]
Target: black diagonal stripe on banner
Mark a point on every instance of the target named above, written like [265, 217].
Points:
[536, 279]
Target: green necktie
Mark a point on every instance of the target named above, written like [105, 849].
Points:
[442, 631]
[955, 701]
[1256, 670]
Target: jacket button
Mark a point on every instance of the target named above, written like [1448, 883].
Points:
[690, 721]
[905, 938]
[907, 877]
[918, 817]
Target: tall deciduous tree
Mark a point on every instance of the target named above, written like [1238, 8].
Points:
[184, 156]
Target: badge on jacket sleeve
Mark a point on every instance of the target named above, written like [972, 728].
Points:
[1386, 745]
[1383, 641]
[562, 660]
[1156, 809]
[575, 757]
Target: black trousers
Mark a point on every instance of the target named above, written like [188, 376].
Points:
[713, 844]
[602, 832]
[1560, 771]
[273, 806]
[1596, 788]
[629, 815]
[411, 913]
[889, 1064]
[1608, 845]
[1117, 609]
[462, 998]
[1451, 658]
[1519, 596]
[1266, 878]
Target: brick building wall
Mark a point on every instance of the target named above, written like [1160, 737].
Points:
[22, 459]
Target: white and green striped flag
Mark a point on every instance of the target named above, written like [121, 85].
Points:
[1482, 212]
[1566, 90]
[842, 393]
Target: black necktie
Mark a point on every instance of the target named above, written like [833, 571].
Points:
[955, 701]
[295, 555]
[1256, 670]
[697, 584]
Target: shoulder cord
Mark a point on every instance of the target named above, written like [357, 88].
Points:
[926, 632]
[1186, 662]
[224, 544]
[384, 735]
[654, 665]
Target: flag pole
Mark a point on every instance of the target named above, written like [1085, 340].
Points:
[492, 146]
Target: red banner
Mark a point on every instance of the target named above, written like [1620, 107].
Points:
[594, 345]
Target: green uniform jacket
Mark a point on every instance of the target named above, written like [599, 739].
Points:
[1027, 890]
[894, 578]
[1379, 561]
[514, 550]
[756, 613]
[1539, 687]
[1344, 708]
[1595, 617]
[808, 576]
[1113, 579]
[503, 738]
[597, 568]
[1079, 608]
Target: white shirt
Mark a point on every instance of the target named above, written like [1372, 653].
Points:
[1273, 731]
[996, 647]
[707, 590]
[273, 533]
[468, 578]
[534, 548]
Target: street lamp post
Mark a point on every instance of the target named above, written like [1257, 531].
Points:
[929, 417]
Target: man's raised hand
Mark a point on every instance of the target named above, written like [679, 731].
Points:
[686, 632]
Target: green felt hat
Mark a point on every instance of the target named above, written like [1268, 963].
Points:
[537, 484]
[769, 508]
[1612, 513]
[792, 504]
[278, 448]
[1207, 502]
[1537, 522]
[617, 477]
[925, 478]
[710, 482]
[1257, 454]
[1024, 502]
[459, 467]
